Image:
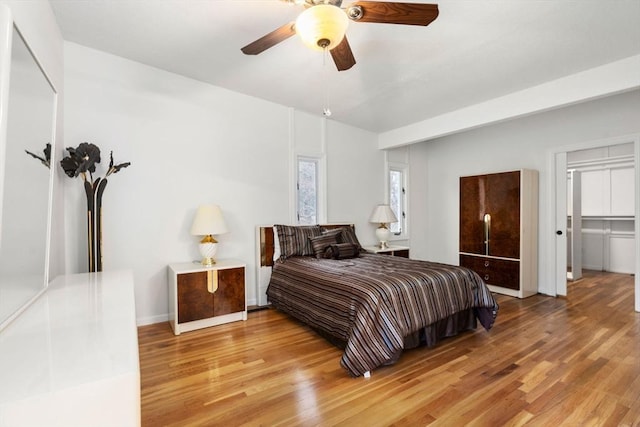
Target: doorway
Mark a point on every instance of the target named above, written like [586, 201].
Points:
[611, 219]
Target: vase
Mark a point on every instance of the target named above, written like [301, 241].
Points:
[94, 223]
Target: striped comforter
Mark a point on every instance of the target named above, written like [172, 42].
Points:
[372, 302]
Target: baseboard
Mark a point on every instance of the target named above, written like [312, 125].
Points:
[252, 308]
[142, 321]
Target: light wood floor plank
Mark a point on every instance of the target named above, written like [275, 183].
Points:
[571, 361]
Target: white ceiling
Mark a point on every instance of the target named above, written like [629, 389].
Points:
[474, 51]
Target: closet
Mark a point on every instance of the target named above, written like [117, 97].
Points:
[606, 204]
[499, 230]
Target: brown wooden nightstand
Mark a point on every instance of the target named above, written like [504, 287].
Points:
[202, 296]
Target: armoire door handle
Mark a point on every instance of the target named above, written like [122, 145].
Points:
[487, 232]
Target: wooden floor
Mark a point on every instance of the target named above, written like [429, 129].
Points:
[547, 362]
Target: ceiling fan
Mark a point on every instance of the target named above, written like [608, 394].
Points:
[323, 25]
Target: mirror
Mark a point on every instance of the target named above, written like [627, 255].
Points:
[28, 116]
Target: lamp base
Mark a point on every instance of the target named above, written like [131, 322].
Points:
[208, 248]
[383, 245]
[383, 234]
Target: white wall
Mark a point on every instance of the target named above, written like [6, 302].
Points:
[191, 143]
[355, 170]
[523, 143]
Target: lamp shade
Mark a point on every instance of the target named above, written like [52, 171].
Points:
[322, 26]
[382, 214]
[208, 220]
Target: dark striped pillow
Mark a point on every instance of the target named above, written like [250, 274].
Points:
[333, 232]
[320, 243]
[348, 235]
[342, 251]
[294, 240]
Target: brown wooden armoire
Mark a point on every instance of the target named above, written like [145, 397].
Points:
[499, 230]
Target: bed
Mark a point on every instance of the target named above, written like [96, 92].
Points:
[372, 306]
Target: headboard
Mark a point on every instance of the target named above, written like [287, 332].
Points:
[265, 249]
[267, 242]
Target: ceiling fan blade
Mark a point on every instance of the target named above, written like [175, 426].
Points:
[270, 40]
[343, 56]
[394, 13]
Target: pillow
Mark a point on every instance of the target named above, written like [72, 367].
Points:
[348, 235]
[294, 240]
[333, 232]
[319, 244]
[342, 251]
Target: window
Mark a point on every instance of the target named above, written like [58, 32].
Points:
[397, 198]
[307, 190]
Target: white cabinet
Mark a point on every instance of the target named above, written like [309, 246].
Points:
[71, 358]
[609, 191]
[608, 245]
[623, 193]
[593, 193]
[622, 253]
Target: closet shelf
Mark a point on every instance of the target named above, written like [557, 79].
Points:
[607, 217]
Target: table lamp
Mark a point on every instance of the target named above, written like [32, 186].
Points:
[207, 222]
[383, 215]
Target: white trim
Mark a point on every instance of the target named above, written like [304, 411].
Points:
[318, 159]
[150, 320]
[6, 35]
[556, 283]
[386, 174]
[404, 169]
[293, 207]
[322, 175]
[637, 222]
[609, 79]
[619, 162]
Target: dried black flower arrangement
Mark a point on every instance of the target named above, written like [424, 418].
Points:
[82, 161]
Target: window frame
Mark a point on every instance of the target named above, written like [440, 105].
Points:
[318, 160]
[403, 169]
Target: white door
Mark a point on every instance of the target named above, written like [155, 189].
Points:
[575, 215]
[561, 223]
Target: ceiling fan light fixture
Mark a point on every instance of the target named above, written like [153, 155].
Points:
[322, 26]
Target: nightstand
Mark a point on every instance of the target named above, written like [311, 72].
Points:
[402, 251]
[202, 296]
